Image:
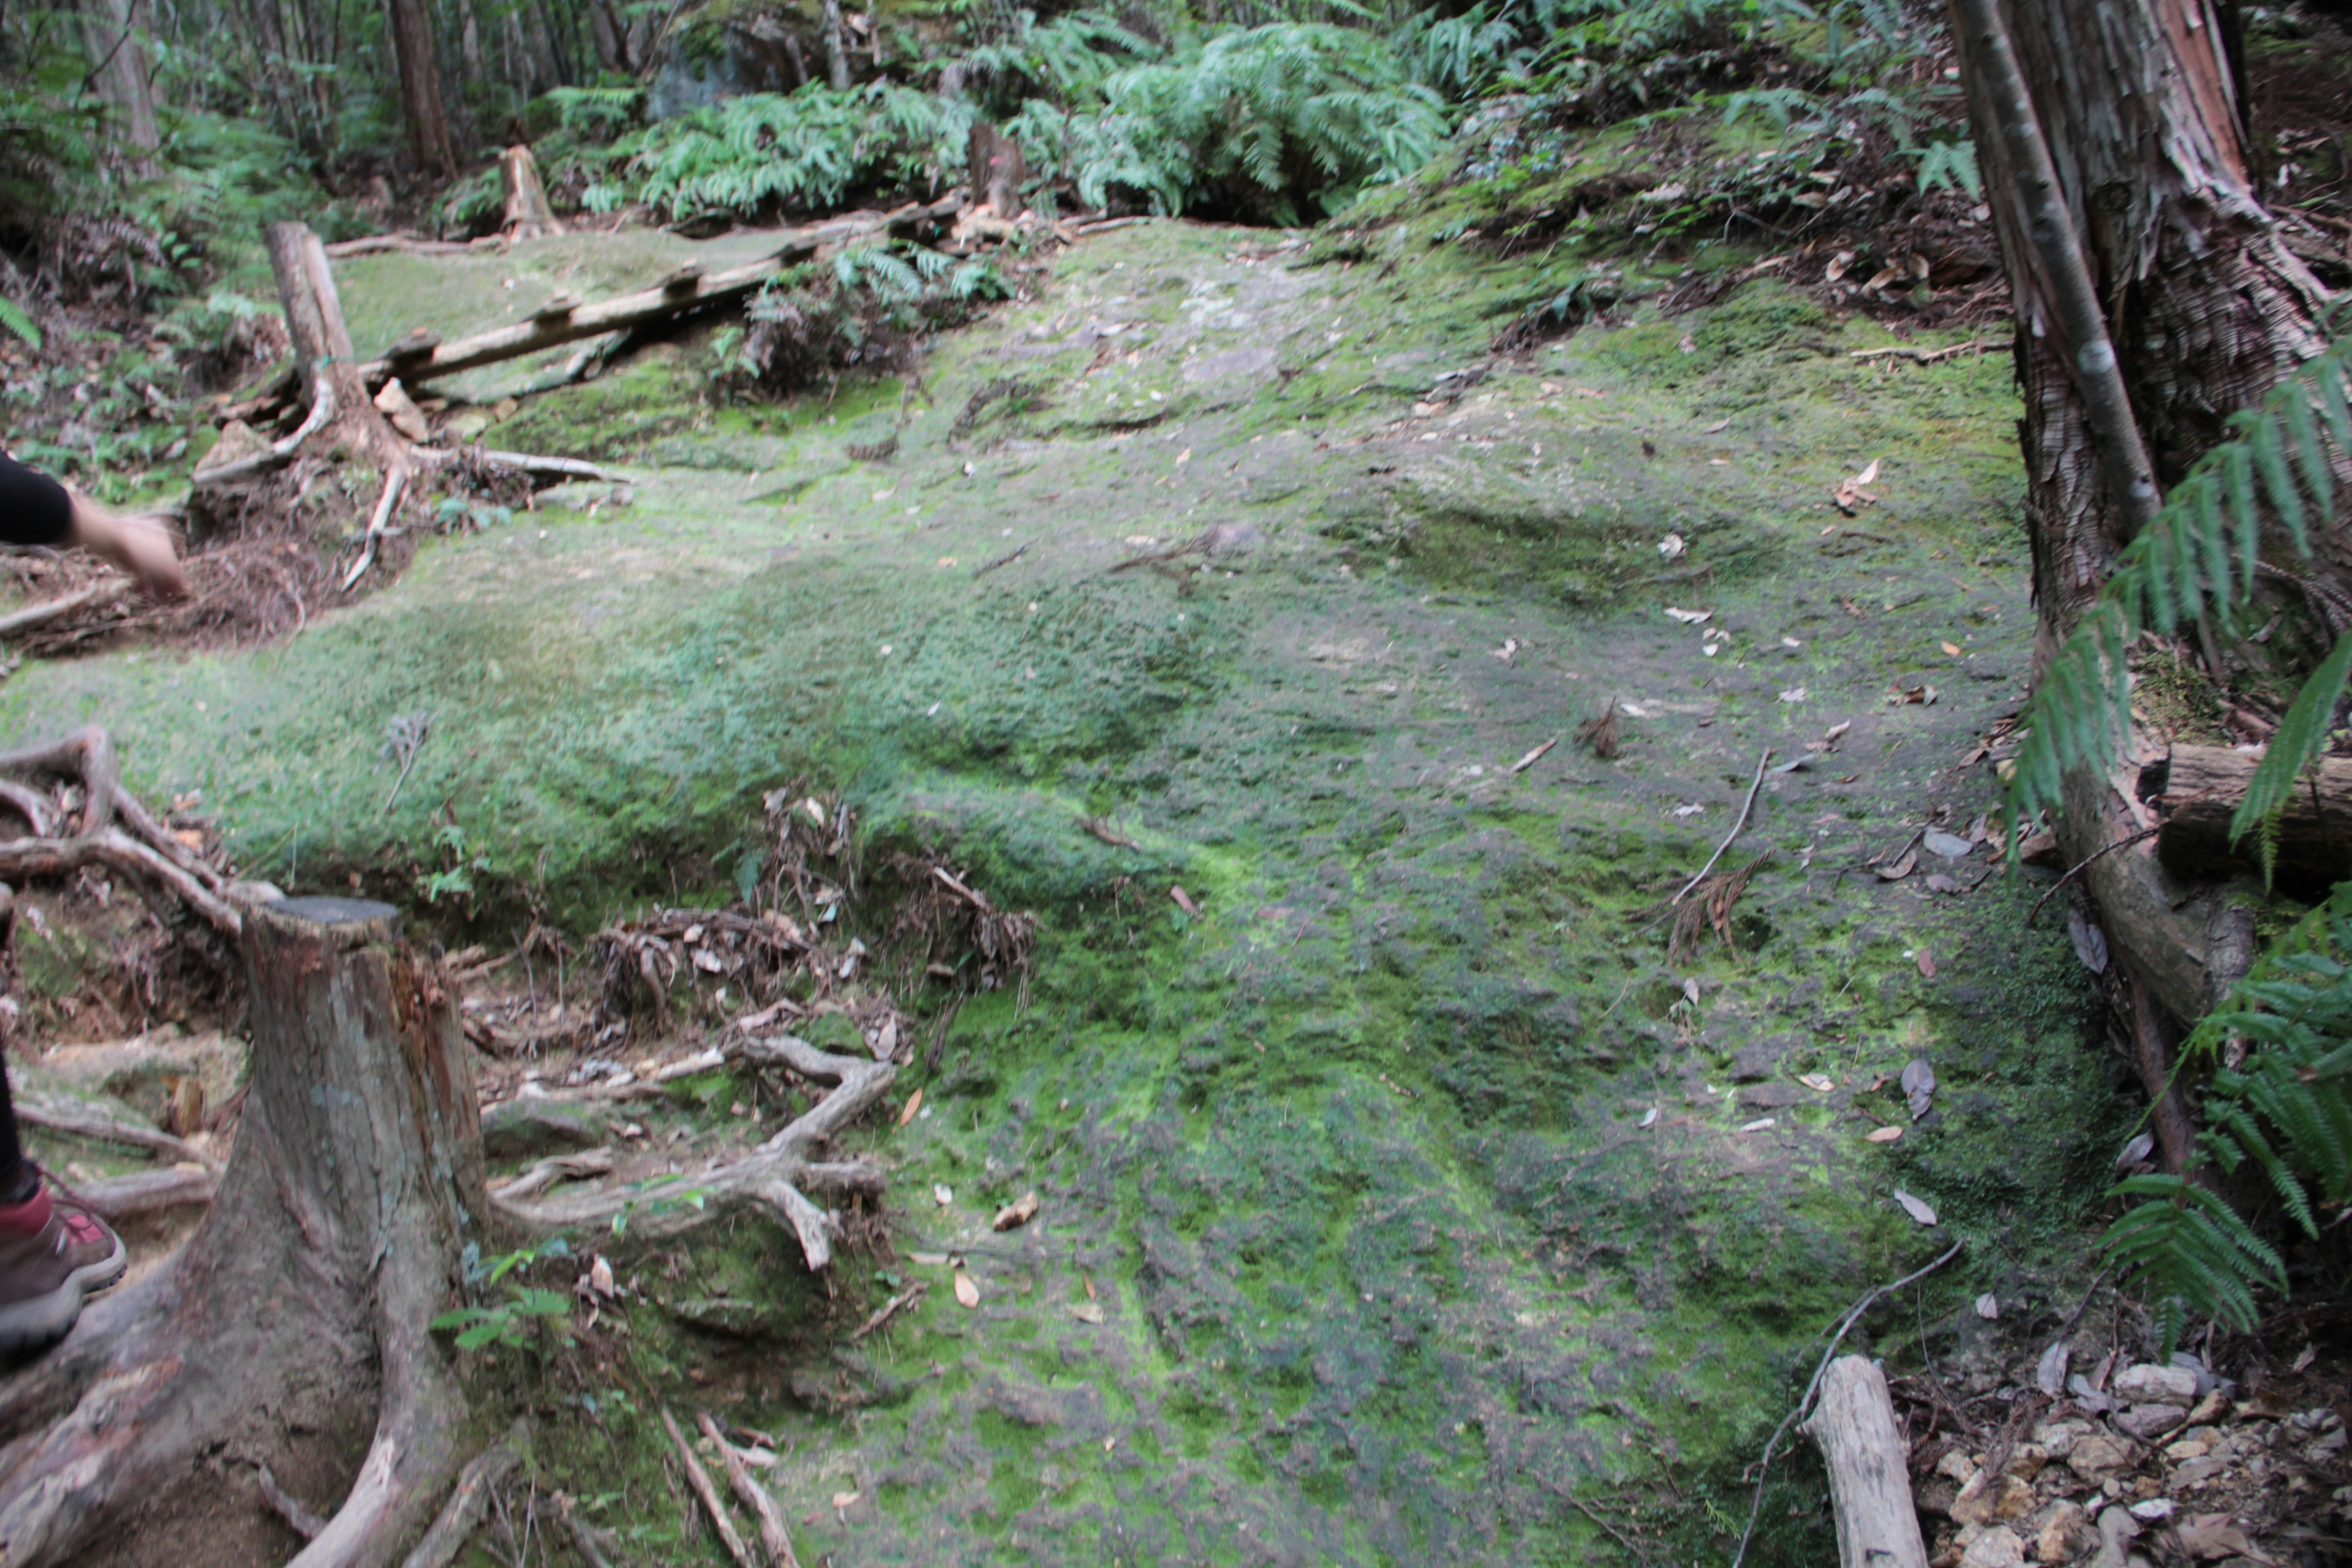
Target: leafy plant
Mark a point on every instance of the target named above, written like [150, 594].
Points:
[12, 317]
[2286, 1112]
[507, 1323]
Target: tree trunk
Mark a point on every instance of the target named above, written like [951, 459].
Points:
[322, 344]
[994, 170]
[836, 47]
[420, 87]
[2206, 311]
[353, 1189]
[120, 71]
[1870, 1484]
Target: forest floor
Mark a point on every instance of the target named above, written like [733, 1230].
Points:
[1401, 1196]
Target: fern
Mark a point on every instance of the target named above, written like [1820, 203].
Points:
[2286, 1112]
[2199, 558]
[806, 150]
[12, 317]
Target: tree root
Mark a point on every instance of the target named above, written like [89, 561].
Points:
[139, 848]
[148, 1192]
[89, 1121]
[278, 454]
[772, 1178]
[446, 1537]
[752, 1496]
[700, 1479]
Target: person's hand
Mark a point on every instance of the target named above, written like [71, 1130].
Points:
[143, 546]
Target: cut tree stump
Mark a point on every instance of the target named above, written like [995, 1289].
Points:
[2199, 788]
[995, 170]
[528, 216]
[353, 1189]
[1870, 1480]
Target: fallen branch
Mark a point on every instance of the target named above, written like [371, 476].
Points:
[1736, 828]
[48, 610]
[1877, 1523]
[890, 1309]
[658, 303]
[377, 243]
[700, 1479]
[1764, 1465]
[1927, 356]
[557, 1168]
[446, 1536]
[752, 1496]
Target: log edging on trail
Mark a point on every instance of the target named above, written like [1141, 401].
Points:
[653, 304]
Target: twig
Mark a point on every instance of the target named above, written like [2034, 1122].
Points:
[2142, 836]
[1764, 1465]
[1007, 559]
[48, 610]
[1101, 829]
[753, 1495]
[1736, 828]
[1524, 763]
[1927, 356]
[700, 1479]
[890, 1309]
[298, 1518]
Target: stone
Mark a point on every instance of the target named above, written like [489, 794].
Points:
[1774, 1096]
[2064, 1532]
[2027, 1459]
[2149, 1421]
[2095, 1457]
[526, 1129]
[2059, 1437]
[1761, 1059]
[2195, 1473]
[1985, 1499]
[2189, 1447]
[2148, 1384]
[1956, 1464]
[1996, 1548]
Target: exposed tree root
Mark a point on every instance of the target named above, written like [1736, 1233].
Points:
[447, 1535]
[89, 1122]
[114, 829]
[771, 1179]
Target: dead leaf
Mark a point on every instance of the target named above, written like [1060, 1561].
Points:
[1838, 264]
[1902, 866]
[1880, 278]
[1717, 428]
[2304, 1358]
[1917, 1208]
[968, 1293]
[1088, 1280]
[1953, 648]
[1671, 546]
[1819, 1082]
[1184, 900]
[1989, 1307]
[914, 1104]
[1084, 1311]
[2090, 942]
[1918, 1085]
[1950, 846]
[1883, 1134]
[844, 1499]
[1940, 883]
[1650, 1117]
[2216, 1535]
[1759, 1125]
[1690, 617]
[1853, 493]
[1020, 1212]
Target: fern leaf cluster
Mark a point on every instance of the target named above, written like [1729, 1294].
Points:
[2284, 1115]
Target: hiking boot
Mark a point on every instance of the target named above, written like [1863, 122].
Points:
[53, 1252]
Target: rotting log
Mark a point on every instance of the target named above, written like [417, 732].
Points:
[337, 1236]
[2198, 789]
[1870, 1483]
[646, 305]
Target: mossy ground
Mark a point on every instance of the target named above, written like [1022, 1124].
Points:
[1387, 1265]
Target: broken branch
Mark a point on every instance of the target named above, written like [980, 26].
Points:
[752, 1496]
[700, 1479]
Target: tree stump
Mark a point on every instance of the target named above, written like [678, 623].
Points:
[354, 1187]
[995, 170]
[528, 216]
[1870, 1485]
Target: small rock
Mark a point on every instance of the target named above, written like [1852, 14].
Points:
[2059, 1437]
[2149, 1421]
[2027, 1459]
[2331, 1444]
[2195, 1473]
[1957, 1465]
[2065, 1534]
[526, 1129]
[2117, 1531]
[2155, 1510]
[2095, 1457]
[238, 441]
[2148, 1384]
[1996, 1548]
[2189, 1447]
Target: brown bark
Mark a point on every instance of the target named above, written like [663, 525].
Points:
[120, 70]
[2197, 790]
[322, 344]
[355, 1184]
[410, 25]
[2206, 309]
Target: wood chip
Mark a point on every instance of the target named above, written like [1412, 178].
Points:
[1017, 1214]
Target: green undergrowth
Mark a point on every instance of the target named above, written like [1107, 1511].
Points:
[1349, 1157]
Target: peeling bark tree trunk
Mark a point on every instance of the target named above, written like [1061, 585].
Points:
[420, 87]
[355, 1184]
[2207, 310]
[836, 47]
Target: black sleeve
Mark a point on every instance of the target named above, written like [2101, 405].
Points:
[34, 508]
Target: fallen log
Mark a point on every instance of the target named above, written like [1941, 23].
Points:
[149, 1192]
[1870, 1484]
[672, 298]
[2198, 789]
[48, 610]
